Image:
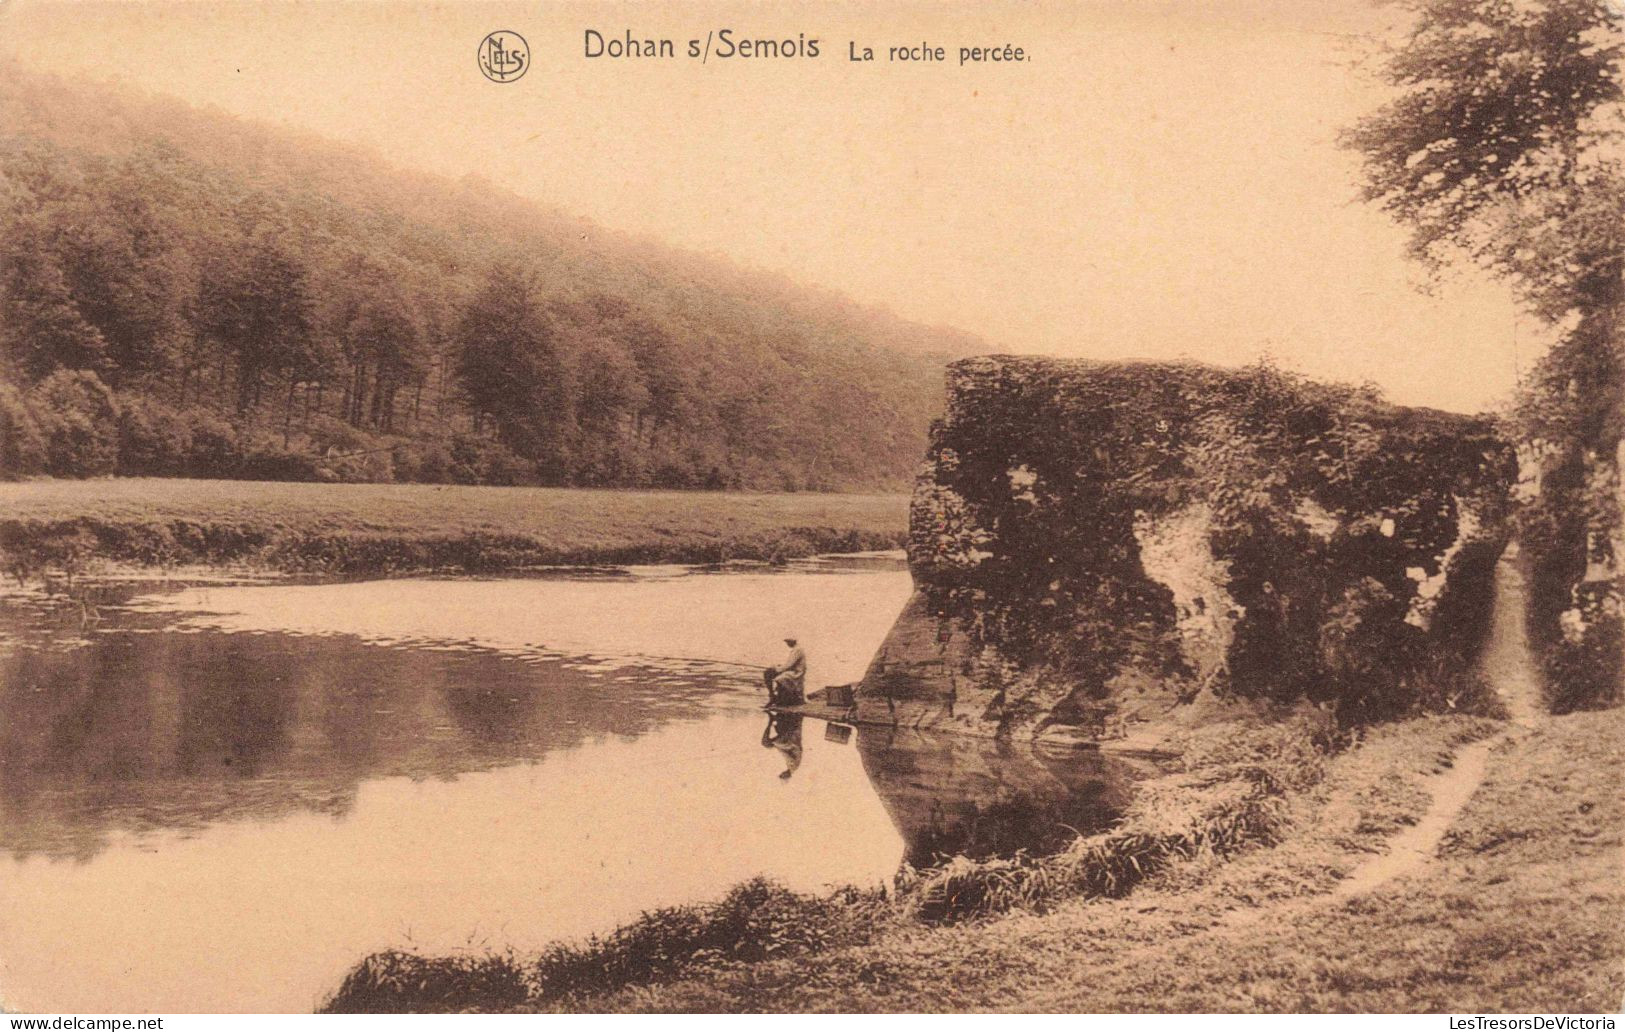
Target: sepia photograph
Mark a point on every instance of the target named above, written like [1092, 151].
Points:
[1037, 507]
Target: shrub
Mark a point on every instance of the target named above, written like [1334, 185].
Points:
[22, 442]
[214, 443]
[154, 439]
[79, 417]
[482, 460]
[373, 466]
[273, 463]
[397, 982]
[757, 920]
[962, 887]
[1107, 865]
[1583, 667]
[1368, 653]
[1576, 625]
[29, 552]
[424, 462]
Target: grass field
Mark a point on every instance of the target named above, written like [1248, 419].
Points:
[372, 528]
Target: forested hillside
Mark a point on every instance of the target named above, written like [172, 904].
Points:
[186, 293]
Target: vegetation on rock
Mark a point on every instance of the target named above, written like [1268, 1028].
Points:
[1345, 534]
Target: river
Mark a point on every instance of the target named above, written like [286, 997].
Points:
[220, 795]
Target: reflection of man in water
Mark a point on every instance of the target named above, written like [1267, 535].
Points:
[783, 732]
[787, 682]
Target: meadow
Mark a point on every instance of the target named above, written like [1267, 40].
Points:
[355, 529]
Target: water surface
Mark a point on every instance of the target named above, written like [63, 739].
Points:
[220, 796]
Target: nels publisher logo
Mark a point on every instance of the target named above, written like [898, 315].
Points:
[504, 56]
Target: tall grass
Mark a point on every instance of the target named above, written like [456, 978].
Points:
[398, 982]
[1106, 865]
[1231, 794]
[758, 920]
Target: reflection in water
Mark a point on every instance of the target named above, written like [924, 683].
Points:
[951, 794]
[257, 812]
[783, 732]
[269, 914]
[210, 813]
[163, 730]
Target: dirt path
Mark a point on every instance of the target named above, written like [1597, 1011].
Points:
[1508, 665]
[1416, 845]
[1507, 662]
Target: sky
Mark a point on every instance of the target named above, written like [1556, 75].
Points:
[1160, 179]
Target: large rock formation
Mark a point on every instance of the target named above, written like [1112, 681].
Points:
[1091, 542]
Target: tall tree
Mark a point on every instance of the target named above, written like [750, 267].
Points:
[255, 303]
[41, 325]
[1504, 120]
[127, 276]
[385, 339]
[1503, 148]
[510, 367]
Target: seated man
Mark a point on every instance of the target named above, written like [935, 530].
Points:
[787, 682]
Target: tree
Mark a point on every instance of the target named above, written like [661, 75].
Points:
[198, 265]
[667, 377]
[41, 326]
[125, 272]
[510, 368]
[1506, 113]
[1503, 148]
[610, 388]
[44, 329]
[255, 303]
[384, 339]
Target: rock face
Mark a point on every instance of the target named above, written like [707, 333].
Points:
[1572, 535]
[1094, 541]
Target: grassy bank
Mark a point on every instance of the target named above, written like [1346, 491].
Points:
[390, 528]
[1522, 910]
[1261, 824]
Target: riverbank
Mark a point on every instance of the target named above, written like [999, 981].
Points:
[1441, 863]
[1518, 909]
[380, 529]
[1258, 815]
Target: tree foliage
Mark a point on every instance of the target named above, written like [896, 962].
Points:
[1501, 125]
[1503, 146]
[262, 303]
